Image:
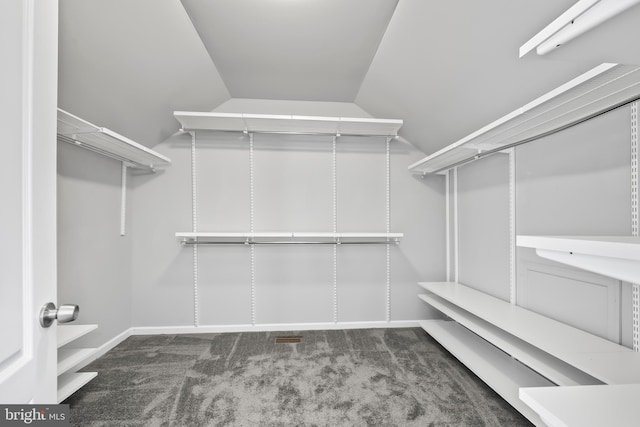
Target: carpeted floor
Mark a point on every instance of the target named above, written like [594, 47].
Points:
[373, 377]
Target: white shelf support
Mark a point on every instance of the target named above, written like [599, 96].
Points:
[194, 220]
[251, 228]
[447, 200]
[334, 186]
[123, 201]
[388, 226]
[513, 296]
[634, 220]
[456, 252]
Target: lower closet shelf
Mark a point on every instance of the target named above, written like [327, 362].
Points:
[69, 383]
[68, 358]
[500, 371]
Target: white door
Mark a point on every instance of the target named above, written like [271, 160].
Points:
[28, 97]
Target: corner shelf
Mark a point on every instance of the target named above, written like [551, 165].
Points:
[601, 89]
[76, 131]
[213, 238]
[613, 256]
[270, 123]
[70, 381]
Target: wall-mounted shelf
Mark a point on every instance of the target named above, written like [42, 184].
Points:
[70, 381]
[77, 131]
[601, 89]
[215, 238]
[270, 123]
[585, 406]
[613, 256]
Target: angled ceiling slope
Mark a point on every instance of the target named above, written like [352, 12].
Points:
[127, 65]
[313, 50]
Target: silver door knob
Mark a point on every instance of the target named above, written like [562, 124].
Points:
[66, 313]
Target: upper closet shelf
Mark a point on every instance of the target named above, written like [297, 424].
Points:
[269, 123]
[77, 131]
[213, 238]
[613, 256]
[599, 90]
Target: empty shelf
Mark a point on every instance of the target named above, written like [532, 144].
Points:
[602, 359]
[69, 383]
[501, 372]
[68, 333]
[77, 131]
[71, 357]
[585, 406]
[549, 366]
[613, 256]
[599, 90]
[287, 238]
[270, 123]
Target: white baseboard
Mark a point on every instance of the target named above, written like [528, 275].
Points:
[276, 327]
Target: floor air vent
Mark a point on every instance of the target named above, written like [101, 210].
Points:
[288, 340]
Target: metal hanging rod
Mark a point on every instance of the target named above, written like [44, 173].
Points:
[276, 132]
[293, 242]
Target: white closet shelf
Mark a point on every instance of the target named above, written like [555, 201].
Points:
[613, 256]
[68, 333]
[548, 366]
[501, 372]
[68, 358]
[270, 123]
[69, 383]
[287, 238]
[585, 406]
[76, 131]
[600, 89]
[602, 359]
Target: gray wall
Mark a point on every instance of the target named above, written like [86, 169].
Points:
[94, 261]
[574, 182]
[292, 192]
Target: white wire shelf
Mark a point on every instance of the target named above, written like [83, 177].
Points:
[218, 238]
[270, 123]
[599, 90]
[76, 131]
[612, 256]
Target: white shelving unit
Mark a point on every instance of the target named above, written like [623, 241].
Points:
[601, 89]
[599, 358]
[287, 238]
[585, 406]
[613, 256]
[288, 124]
[70, 381]
[76, 131]
[500, 371]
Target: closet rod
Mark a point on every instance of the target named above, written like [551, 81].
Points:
[533, 138]
[310, 242]
[127, 161]
[276, 132]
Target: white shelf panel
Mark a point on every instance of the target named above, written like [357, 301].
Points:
[501, 372]
[76, 131]
[69, 383]
[68, 333]
[288, 237]
[270, 123]
[594, 92]
[585, 406]
[550, 367]
[71, 357]
[613, 256]
[588, 353]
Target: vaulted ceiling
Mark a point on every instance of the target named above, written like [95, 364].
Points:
[445, 68]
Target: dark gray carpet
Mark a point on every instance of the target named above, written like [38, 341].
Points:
[373, 377]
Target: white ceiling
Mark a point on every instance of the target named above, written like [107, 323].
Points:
[446, 68]
[314, 50]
